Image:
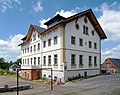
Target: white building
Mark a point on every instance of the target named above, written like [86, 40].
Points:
[70, 46]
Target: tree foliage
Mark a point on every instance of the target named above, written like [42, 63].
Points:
[5, 65]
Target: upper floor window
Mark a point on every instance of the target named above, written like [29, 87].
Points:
[38, 46]
[34, 60]
[31, 61]
[80, 59]
[23, 61]
[55, 40]
[95, 45]
[38, 60]
[44, 44]
[73, 40]
[49, 42]
[72, 59]
[28, 49]
[93, 32]
[25, 50]
[90, 44]
[85, 30]
[34, 37]
[49, 60]
[81, 42]
[28, 61]
[55, 59]
[85, 20]
[44, 60]
[31, 49]
[34, 47]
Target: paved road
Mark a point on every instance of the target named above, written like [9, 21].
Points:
[100, 85]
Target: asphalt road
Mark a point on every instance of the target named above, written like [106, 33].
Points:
[100, 85]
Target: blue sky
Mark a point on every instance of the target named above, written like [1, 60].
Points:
[17, 15]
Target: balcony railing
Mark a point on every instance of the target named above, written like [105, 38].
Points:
[73, 65]
[80, 65]
[30, 66]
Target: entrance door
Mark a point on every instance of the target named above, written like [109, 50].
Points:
[107, 68]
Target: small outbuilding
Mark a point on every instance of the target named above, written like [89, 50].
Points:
[111, 65]
[14, 67]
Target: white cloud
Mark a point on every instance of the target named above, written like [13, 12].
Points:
[62, 13]
[9, 49]
[42, 21]
[8, 4]
[111, 53]
[110, 20]
[66, 13]
[38, 7]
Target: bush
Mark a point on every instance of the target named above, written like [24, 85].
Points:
[2, 72]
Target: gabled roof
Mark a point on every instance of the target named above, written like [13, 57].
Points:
[115, 61]
[14, 66]
[31, 28]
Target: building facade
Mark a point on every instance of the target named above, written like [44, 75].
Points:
[70, 46]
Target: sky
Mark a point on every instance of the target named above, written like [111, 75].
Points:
[17, 15]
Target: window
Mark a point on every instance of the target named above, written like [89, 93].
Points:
[49, 42]
[28, 61]
[85, 19]
[23, 61]
[34, 37]
[38, 46]
[31, 49]
[23, 51]
[90, 60]
[38, 60]
[34, 47]
[85, 30]
[95, 60]
[90, 44]
[81, 59]
[55, 40]
[28, 49]
[31, 61]
[44, 60]
[34, 60]
[72, 59]
[44, 44]
[72, 40]
[81, 42]
[93, 32]
[55, 59]
[49, 60]
[95, 45]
